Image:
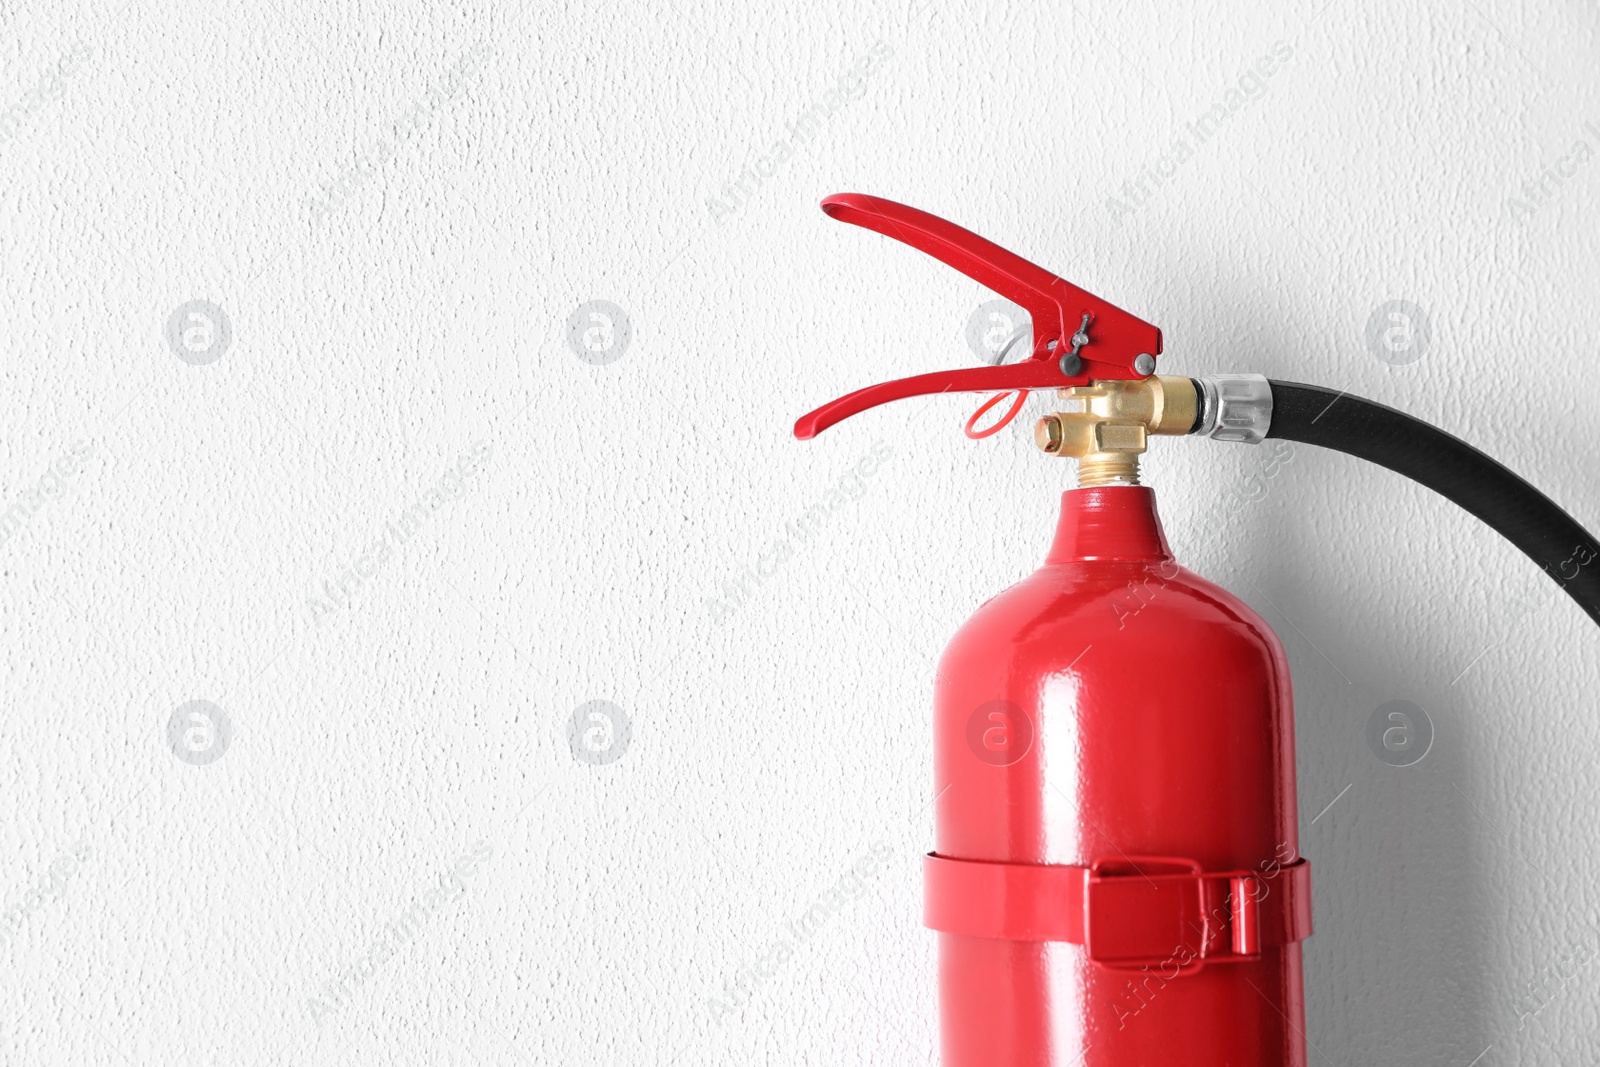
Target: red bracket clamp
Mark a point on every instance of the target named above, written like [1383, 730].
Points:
[1128, 913]
[1076, 335]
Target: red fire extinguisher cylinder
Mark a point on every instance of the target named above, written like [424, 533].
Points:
[1117, 879]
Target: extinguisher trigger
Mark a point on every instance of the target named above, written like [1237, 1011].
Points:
[1077, 337]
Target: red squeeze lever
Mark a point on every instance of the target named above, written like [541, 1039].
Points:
[1076, 335]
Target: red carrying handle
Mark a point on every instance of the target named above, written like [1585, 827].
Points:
[1107, 348]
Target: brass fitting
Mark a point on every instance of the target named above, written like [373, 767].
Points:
[1105, 424]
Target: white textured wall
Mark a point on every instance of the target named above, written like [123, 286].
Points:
[398, 532]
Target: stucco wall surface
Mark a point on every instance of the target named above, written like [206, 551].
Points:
[422, 641]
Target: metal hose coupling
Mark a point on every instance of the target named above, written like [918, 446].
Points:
[1234, 407]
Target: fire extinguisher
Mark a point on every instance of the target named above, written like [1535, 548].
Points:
[1116, 878]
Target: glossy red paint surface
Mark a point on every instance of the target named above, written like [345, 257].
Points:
[1119, 711]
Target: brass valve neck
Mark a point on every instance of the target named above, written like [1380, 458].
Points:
[1108, 468]
[1105, 425]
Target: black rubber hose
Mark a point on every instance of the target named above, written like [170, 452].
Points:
[1450, 467]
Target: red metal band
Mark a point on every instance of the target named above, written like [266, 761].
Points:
[1128, 913]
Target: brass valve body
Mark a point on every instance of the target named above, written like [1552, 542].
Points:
[1106, 424]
